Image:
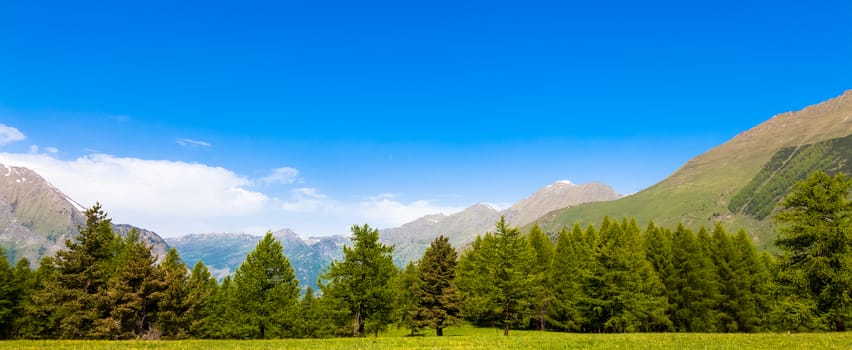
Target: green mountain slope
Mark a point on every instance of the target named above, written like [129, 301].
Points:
[738, 182]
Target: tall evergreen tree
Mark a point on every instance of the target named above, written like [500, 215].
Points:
[496, 278]
[569, 270]
[731, 282]
[814, 237]
[172, 306]
[407, 283]
[221, 317]
[361, 281]
[691, 284]
[23, 282]
[624, 293]
[543, 258]
[753, 285]
[438, 302]
[7, 296]
[127, 304]
[66, 302]
[267, 292]
[200, 288]
[312, 319]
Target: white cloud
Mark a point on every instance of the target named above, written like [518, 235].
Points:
[308, 200]
[384, 211]
[175, 198]
[166, 196]
[285, 175]
[10, 134]
[192, 143]
[51, 150]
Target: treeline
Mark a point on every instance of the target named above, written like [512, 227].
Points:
[614, 277]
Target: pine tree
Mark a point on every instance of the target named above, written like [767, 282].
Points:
[361, 281]
[128, 302]
[496, 281]
[543, 258]
[437, 300]
[267, 292]
[814, 236]
[65, 303]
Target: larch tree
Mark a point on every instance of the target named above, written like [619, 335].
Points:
[496, 277]
[172, 306]
[543, 258]
[361, 282]
[267, 292]
[569, 271]
[200, 288]
[815, 228]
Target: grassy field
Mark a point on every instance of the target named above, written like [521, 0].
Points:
[470, 338]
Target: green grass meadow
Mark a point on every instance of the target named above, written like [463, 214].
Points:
[481, 338]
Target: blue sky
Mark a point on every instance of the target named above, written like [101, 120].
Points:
[381, 112]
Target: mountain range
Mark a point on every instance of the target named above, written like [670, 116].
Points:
[36, 218]
[224, 252]
[412, 239]
[739, 182]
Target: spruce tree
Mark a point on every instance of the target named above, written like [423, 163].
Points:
[360, 282]
[267, 292]
[437, 300]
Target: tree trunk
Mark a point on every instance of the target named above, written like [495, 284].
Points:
[357, 326]
[506, 328]
[439, 331]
